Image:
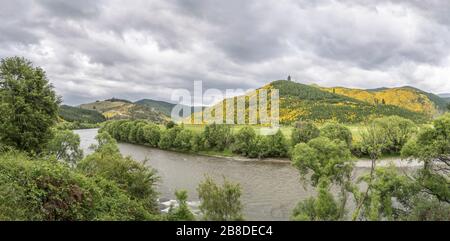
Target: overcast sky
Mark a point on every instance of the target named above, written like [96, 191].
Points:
[142, 49]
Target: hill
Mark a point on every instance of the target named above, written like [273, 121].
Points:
[161, 106]
[123, 109]
[306, 102]
[72, 114]
[407, 97]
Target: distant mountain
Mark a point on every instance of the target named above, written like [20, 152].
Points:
[306, 102]
[444, 95]
[124, 109]
[162, 106]
[407, 97]
[72, 114]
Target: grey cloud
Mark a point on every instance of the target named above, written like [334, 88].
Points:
[143, 49]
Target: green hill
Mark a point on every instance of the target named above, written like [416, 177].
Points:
[71, 114]
[124, 109]
[305, 102]
[161, 106]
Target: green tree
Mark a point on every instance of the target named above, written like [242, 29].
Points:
[183, 141]
[65, 145]
[398, 131]
[220, 203]
[335, 131]
[432, 147]
[29, 105]
[304, 132]
[244, 141]
[216, 137]
[374, 141]
[276, 146]
[168, 137]
[322, 208]
[152, 134]
[324, 159]
[182, 212]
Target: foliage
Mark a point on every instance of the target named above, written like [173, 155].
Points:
[334, 131]
[168, 137]
[322, 208]
[303, 132]
[432, 147]
[398, 131]
[216, 137]
[220, 203]
[65, 146]
[135, 178]
[77, 114]
[182, 212]
[48, 190]
[183, 140]
[29, 105]
[323, 158]
[245, 141]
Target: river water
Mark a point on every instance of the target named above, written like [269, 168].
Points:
[270, 190]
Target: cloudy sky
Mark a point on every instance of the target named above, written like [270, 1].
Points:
[143, 49]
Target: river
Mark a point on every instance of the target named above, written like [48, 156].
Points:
[270, 190]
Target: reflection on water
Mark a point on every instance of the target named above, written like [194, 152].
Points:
[270, 191]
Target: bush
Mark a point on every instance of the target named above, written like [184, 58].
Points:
[151, 134]
[182, 212]
[336, 131]
[304, 132]
[183, 141]
[216, 137]
[168, 137]
[398, 131]
[220, 203]
[42, 189]
[244, 141]
[135, 178]
[65, 146]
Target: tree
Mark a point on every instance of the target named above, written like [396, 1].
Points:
[152, 134]
[432, 147]
[216, 137]
[220, 203]
[326, 160]
[244, 141]
[304, 132]
[277, 145]
[322, 208]
[183, 141]
[29, 105]
[398, 131]
[448, 106]
[182, 212]
[336, 131]
[65, 145]
[168, 137]
[374, 141]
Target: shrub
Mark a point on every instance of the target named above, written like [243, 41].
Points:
[183, 141]
[48, 190]
[220, 203]
[135, 178]
[398, 131]
[304, 132]
[244, 141]
[336, 131]
[216, 137]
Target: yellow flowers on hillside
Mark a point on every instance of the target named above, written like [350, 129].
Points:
[402, 97]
